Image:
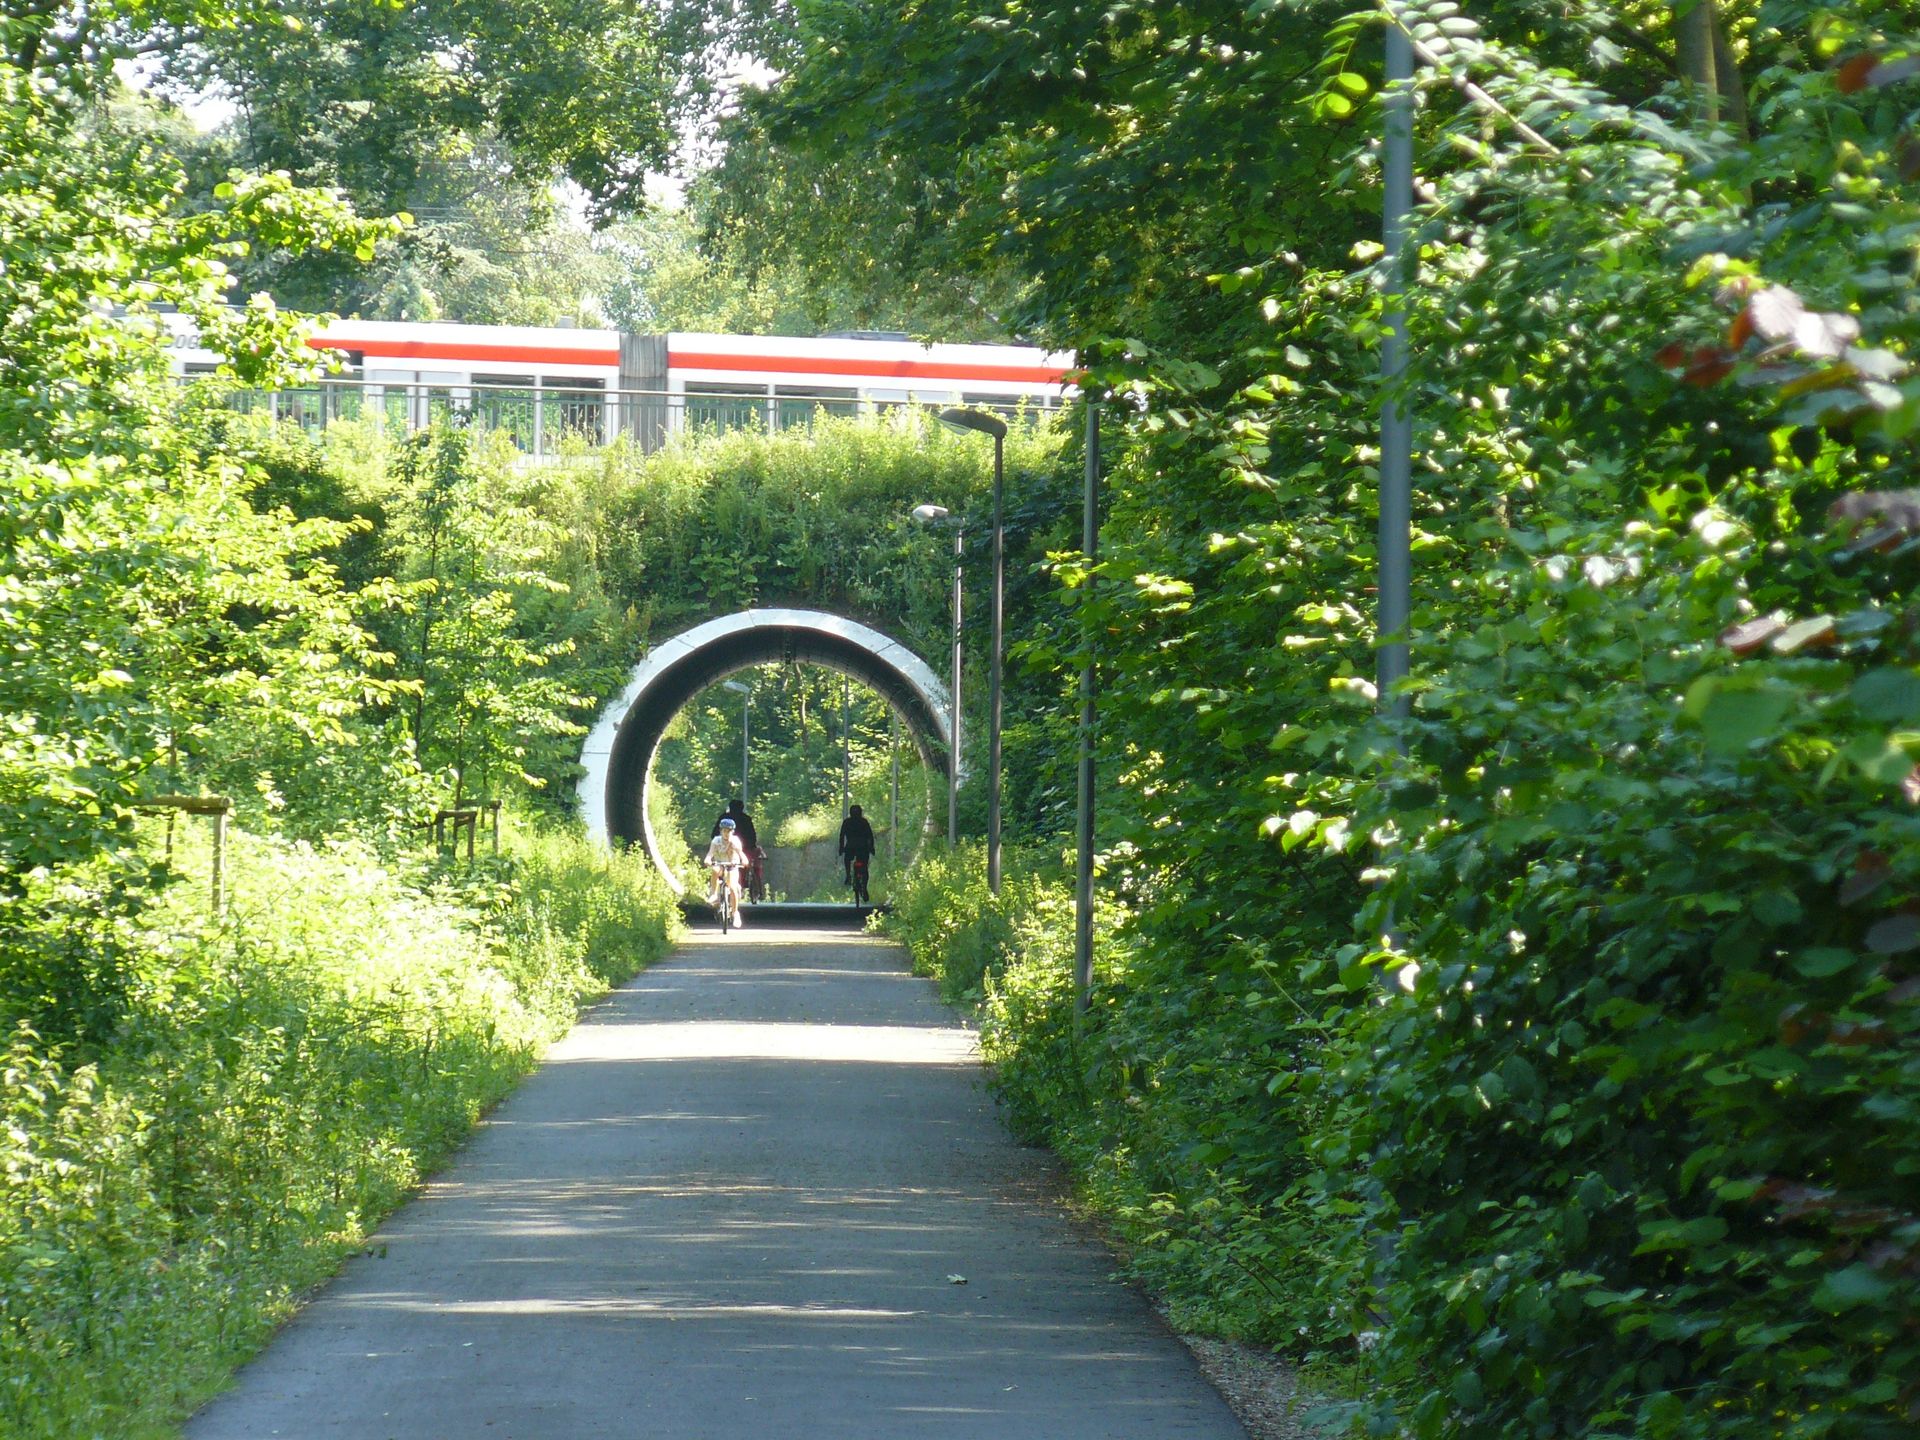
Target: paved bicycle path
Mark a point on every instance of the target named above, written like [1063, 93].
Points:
[729, 1207]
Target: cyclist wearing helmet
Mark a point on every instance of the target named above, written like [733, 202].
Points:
[742, 822]
[725, 859]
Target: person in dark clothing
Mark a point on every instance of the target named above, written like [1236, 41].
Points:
[856, 840]
[736, 811]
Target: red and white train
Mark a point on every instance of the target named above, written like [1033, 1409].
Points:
[546, 387]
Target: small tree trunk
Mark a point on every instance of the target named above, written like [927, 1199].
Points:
[1707, 66]
[1693, 24]
[1733, 90]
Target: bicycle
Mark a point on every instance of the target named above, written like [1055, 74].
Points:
[725, 907]
[756, 876]
[860, 880]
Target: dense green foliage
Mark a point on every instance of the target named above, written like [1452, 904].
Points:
[1612, 1137]
[1558, 1040]
[278, 1084]
[461, 116]
[200, 1116]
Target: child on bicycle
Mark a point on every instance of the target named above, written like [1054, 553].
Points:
[726, 857]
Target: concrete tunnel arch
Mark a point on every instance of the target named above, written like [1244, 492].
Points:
[618, 754]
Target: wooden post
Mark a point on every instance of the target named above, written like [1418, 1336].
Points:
[219, 864]
[494, 805]
[214, 806]
[473, 824]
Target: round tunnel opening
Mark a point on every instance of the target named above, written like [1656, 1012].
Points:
[618, 756]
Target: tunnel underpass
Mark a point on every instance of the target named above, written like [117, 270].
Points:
[619, 753]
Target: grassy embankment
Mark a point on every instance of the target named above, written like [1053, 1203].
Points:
[277, 1083]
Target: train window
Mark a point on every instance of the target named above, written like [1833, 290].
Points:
[505, 402]
[720, 408]
[573, 408]
[1013, 407]
[798, 405]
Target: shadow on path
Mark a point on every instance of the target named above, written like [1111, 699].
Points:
[733, 1203]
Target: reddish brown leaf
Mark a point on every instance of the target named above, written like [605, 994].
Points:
[1672, 355]
[1749, 635]
[1862, 883]
[1709, 366]
[1881, 537]
[1851, 77]
[1906, 157]
[1849, 1033]
[1741, 329]
[1895, 934]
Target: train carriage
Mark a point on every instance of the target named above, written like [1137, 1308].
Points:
[553, 388]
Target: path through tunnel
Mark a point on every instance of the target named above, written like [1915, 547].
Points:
[619, 753]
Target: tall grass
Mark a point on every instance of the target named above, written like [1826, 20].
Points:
[280, 1081]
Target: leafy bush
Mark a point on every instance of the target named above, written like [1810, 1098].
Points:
[278, 1084]
[1623, 1102]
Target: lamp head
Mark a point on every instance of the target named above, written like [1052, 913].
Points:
[927, 514]
[974, 420]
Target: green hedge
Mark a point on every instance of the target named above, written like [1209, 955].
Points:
[277, 1085]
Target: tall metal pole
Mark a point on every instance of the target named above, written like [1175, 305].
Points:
[893, 805]
[746, 738]
[953, 727]
[846, 751]
[1396, 418]
[993, 683]
[1083, 893]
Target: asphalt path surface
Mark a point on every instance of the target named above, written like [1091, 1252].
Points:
[738, 1202]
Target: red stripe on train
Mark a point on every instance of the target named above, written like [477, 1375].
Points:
[919, 369]
[467, 350]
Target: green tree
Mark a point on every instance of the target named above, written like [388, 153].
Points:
[141, 598]
[463, 116]
[477, 663]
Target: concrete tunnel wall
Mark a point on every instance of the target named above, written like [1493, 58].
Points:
[618, 754]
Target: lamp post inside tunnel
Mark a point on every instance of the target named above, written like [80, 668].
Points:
[746, 721]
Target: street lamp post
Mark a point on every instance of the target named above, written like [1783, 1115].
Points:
[1396, 417]
[992, 425]
[746, 737]
[930, 515]
[1083, 887]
